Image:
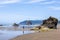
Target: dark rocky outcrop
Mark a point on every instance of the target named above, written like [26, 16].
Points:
[15, 25]
[51, 22]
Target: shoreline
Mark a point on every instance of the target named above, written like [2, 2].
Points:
[50, 35]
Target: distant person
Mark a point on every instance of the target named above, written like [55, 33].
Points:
[23, 29]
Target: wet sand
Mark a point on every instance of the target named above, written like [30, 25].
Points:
[50, 35]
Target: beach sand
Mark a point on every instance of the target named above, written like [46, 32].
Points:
[50, 35]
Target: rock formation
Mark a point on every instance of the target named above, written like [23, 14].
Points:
[51, 22]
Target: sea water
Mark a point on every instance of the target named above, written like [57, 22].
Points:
[6, 35]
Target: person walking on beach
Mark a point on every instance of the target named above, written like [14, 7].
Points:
[23, 29]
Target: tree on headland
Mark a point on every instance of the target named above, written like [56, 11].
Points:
[28, 22]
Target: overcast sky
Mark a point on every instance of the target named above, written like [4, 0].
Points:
[18, 10]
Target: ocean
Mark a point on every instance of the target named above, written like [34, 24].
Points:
[7, 32]
[6, 35]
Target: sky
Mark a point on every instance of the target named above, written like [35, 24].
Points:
[15, 11]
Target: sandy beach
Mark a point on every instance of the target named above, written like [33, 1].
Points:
[50, 35]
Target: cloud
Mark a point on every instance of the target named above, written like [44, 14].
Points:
[8, 1]
[50, 2]
[29, 1]
[44, 1]
[35, 1]
[54, 8]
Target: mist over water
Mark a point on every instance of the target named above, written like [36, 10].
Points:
[8, 32]
[6, 35]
